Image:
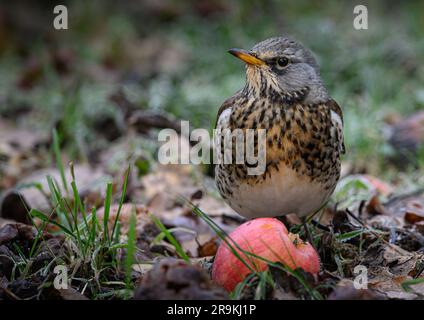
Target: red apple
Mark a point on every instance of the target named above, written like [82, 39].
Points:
[378, 185]
[269, 239]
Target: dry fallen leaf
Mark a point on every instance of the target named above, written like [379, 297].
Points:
[412, 217]
[21, 151]
[411, 208]
[16, 202]
[208, 248]
[175, 279]
[127, 210]
[71, 294]
[345, 290]
[389, 267]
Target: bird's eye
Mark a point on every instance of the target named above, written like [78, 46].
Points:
[282, 62]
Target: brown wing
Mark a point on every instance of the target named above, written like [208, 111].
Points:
[336, 108]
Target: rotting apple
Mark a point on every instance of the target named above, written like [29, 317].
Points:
[267, 238]
[378, 185]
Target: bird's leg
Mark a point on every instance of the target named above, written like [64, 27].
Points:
[320, 226]
[307, 232]
[309, 218]
[282, 219]
[294, 222]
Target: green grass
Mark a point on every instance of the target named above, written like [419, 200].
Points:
[408, 285]
[131, 249]
[94, 246]
[179, 250]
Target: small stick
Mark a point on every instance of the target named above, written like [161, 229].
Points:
[372, 231]
[308, 234]
[405, 196]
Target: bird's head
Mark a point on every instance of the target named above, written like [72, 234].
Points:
[282, 67]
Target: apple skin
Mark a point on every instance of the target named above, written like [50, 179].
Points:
[379, 185]
[267, 238]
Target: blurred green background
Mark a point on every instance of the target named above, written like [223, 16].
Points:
[171, 56]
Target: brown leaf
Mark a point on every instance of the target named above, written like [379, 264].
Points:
[71, 294]
[209, 248]
[412, 217]
[140, 211]
[175, 279]
[21, 152]
[388, 267]
[375, 207]
[411, 208]
[345, 290]
[15, 204]
[17, 233]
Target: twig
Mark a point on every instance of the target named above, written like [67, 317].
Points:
[404, 196]
[372, 231]
[10, 294]
[418, 236]
[361, 208]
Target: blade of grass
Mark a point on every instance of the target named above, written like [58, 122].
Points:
[108, 200]
[170, 238]
[39, 232]
[94, 226]
[38, 214]
[77, 200]
[58, 157]
[78, 204]
[162, 235]
[131, 248]
[264, 279]
[58, 202]
[349, 235]
[222, 235]
[237, 292]
[121, 201]
[406, 285]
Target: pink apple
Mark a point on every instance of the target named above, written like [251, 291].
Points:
[269, 239]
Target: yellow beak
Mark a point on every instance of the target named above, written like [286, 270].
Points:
[246, 57]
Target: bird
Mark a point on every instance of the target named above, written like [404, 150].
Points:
[285, 96]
